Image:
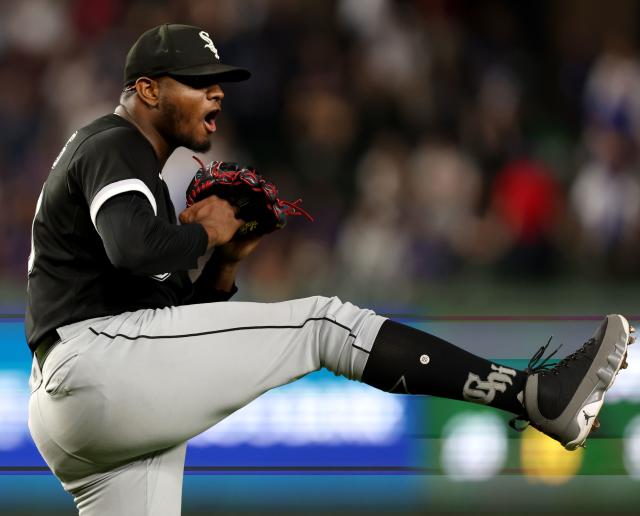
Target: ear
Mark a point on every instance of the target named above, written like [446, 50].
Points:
[148, 91]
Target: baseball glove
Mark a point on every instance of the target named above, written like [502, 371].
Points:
[255, 197]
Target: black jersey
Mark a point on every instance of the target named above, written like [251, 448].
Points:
[70, 275]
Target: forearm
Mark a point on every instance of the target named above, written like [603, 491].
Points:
[138, 242]
[222, 276]
[216, 282]
[220, 271]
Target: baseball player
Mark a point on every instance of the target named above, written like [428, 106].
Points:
[132, 358]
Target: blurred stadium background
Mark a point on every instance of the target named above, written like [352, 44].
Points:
[474, 170]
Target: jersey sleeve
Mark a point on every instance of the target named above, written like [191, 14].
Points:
[139, 243]
[114, 162]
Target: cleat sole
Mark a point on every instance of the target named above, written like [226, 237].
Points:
[587, 416]
[605, 375]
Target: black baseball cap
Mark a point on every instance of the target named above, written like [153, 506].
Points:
[180, 51]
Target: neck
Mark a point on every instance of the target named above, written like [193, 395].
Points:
[162, 149]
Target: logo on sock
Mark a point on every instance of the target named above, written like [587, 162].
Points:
[403, 382]
[483, 391]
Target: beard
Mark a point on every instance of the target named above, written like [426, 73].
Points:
[172, 126]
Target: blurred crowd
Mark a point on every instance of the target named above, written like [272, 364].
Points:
[429, 138]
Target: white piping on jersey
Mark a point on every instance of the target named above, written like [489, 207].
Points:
[113, 189]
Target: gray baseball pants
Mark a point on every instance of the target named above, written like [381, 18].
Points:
[119, 396]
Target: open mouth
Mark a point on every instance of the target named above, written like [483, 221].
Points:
[210, 120]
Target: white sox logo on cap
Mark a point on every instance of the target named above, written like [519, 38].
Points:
[205, 36]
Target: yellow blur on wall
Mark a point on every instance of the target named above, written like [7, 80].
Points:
[545, 460]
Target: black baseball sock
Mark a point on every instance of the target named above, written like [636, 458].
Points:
[408, 361]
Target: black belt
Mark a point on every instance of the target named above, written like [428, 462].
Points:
[45, 345]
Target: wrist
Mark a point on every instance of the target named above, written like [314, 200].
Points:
[212, 237]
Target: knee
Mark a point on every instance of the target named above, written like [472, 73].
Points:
[345, 336]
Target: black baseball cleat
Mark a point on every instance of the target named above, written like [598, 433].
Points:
[563, 401]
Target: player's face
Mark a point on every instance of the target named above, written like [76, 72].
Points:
[187, 113]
